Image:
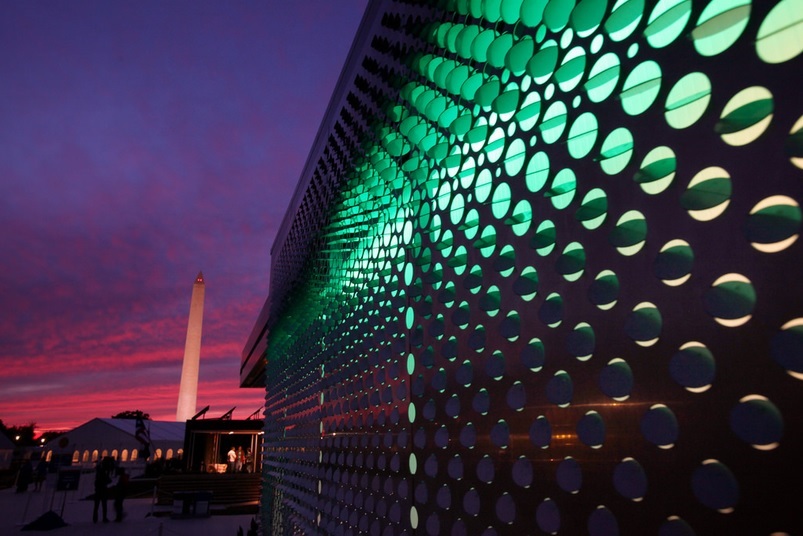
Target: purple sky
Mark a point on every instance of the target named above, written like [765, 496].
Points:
[141, 142]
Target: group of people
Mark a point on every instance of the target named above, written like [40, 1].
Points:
[238, 460]
[110, 482]
[28, 474]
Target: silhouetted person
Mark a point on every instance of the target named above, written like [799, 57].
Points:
[231, 458]
[24, 477]
[119, 490]
[238, 465]
[41, 475]
[102, 481]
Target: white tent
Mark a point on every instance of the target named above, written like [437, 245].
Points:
[98, 438]
[6, 451]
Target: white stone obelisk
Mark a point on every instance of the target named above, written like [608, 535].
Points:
[188, 390]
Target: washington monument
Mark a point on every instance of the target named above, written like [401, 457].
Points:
[188, 390]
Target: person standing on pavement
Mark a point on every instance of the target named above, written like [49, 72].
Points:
[102, 481]
[120, 489]
[231, 457]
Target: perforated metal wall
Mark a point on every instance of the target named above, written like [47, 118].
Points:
[544, 277]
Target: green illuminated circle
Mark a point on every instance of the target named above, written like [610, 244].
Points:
[571, 70]
[482, 189]
[554, 122]
[500, 203]
[593, 209]
[630, 233]
[587, 16]
[566, 38]
[688, 100]
[604, 290]
[657, 170]
[537, 172]
[521, 218]
[624, 18]
[542, 66]
[514, 158]
[532, 12]
[596, 43]
[571, 263]
[708, 194]
[746, 116]
[641, 88]
[457, 208]
[486, 243]
[616, 151]
[563, 189]
[557, 13]
[519, 54]
[527, 116]
[603, 77]
[780, 37]
[544, 239]
[582, 135]
[667, 21]
[720, 24]
[471, 224]
[496, 145]
[480, 44]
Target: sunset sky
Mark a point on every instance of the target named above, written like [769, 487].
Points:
[141, 142]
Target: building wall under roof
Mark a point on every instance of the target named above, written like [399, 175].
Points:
[541, 275]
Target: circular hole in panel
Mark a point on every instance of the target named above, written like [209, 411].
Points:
[496, 145]
[471, 502]
[506, 509]
[491, 300]
[483, 186]
[571, 263]
[500, 202]
[541, 432]
[553, 123]
[537, 172]
[593, 209]
[547, 516]
[564, 186]
[667, 21]
[529, 111]
[581, 341]
[602, 522]
[659, 426]
[515, 156]
[500, 434]
[603, 77]
[533, 355]
[481, 402]
[569, 475]
[519, 54]
[630, 233]
[485, 469]
[516, 396]
[675, 526]
[616, 151]
[746, 116]
[476, 340]
[522, 472]
[582, 135]
[720, 25]
[730, 300]
[773, 224]
[560, 389]
[455, 467]
[551, 311]
[693, 367]
[521, 218]
[571, 70]
[687, 100]
[674, 263]
[486, 243]
[715, 486]
[630, 480]
[465, 374]
[587, 16]
[657, 170]
[708, 194]
[644, 324]
[542, 65]
[780, 37]
[544, 240]
[468, 436]
[624, 18]
[641, 88]
[787, 347]
[591, 430]
[526, 285]
[470, 226]
[757, 421]
[616, 379]
[510, 328]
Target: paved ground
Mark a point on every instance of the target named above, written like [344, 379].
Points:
[142, 519]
